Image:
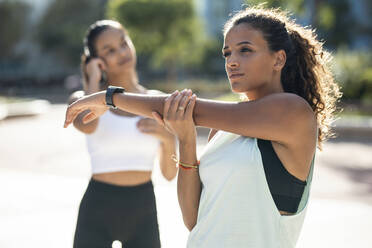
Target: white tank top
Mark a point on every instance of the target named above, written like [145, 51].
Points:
[236, 209]
[117, 145]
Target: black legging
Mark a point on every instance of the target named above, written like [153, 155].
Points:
[125, 213]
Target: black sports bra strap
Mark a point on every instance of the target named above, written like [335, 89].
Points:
[285, 188]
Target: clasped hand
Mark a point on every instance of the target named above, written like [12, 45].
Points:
[178, 115]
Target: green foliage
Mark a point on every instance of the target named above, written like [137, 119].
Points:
[295, 6]
[62, 28]
[213, 62]
[354, 73]
[13, 16]
[168, 31]
[326, 16]
[332, 19]
[334, 22]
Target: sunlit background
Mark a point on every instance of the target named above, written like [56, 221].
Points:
[44, 168]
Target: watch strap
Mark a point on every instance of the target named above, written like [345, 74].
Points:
[111, 90]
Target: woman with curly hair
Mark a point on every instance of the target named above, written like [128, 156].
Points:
[250, 187]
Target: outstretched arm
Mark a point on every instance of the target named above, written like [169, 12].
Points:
[281, 117]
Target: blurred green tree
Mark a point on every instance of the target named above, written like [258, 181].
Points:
[62, 28]
[167, 31]
[353, 70]
[297, 6]
[334, 22]
[13, 17]
[332, 19]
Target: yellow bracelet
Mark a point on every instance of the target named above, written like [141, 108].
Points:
[185, 166]
[188, 165]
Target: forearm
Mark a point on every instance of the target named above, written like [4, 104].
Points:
[139, 104]
[167, 165]
[207, 113]
[188, 184]
[92, 88]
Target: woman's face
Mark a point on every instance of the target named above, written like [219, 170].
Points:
[117, 51]
[249, 63]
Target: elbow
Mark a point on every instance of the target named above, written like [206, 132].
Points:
[189, 223]
[169, 176]
[190, 219]
[190, 226]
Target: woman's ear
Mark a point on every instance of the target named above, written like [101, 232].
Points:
[280, 59]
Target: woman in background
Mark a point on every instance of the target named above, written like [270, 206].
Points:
[119, 202]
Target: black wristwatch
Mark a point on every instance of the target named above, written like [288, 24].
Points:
[111, 90]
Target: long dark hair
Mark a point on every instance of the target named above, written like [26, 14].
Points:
[306, 71]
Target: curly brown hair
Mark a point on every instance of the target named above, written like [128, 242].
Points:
[307, 69]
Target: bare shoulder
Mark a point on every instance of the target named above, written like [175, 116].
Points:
[294, 106]
[75, 96]
[300, 120]
[281, 117]
[287, 100]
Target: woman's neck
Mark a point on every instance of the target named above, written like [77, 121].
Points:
[127, 80]
[275, 86]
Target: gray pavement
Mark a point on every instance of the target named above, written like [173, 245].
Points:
[44, 170]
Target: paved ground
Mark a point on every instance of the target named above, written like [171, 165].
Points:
[44, 170]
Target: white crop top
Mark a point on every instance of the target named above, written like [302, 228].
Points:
[117, 145]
